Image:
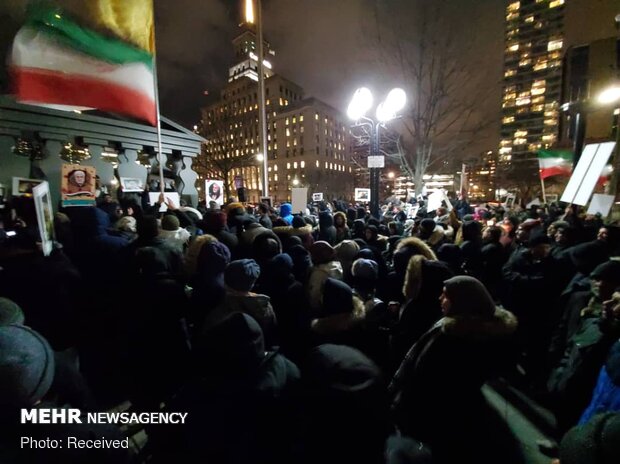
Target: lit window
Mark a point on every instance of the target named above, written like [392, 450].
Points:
[554, 3]
[317, 163]
[537, 108]
[508, 119]
[286, 122]
[520, 133]
[301, 118]
[288, 165]
[513, 47]
[294, 119]
[316, 116]
[295, 165]
[520, 141]
[554, 45]
[510, 73]
[514, 6]
[525, 62]
[511, 16]
[288, 132]
[275, 167]
[540, 64]
[529, 19]
[303, 164]
[275, 177]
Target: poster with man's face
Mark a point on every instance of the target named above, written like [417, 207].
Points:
[214, 191]
[362, 194]
[78, 185]
[45, 216]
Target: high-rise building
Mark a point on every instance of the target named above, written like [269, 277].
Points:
[532, 83]
[307, 140]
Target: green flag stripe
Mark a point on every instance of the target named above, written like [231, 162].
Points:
[68, 33]
[566, 154]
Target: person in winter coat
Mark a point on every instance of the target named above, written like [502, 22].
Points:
[573, 378]
[358, 230]
[239, 278]
[239, 404]
[327, 231]
[433, 234]
[493, 256]
[298, 228]
[436, 394]
[264, 219]
[374, 240]
[325, 265]
[172, 232]
[342, 229]
[471, 248]
[214, 223]
[344, 409]
[346, 252]
[207, 282]
[594, 442]
[286, 213]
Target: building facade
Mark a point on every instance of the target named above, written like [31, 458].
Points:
[532, 85]
[307, 140]
[481, 176]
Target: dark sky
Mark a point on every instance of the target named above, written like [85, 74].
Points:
[326, 46]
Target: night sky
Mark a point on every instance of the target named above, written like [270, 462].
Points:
[328, 47]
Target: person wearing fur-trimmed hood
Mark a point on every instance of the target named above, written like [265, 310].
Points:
[436, 391]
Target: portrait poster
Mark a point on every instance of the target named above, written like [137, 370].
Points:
[362, 194]
[45, 216]
[23, 186]
[77, 185]
[214, 191]
[317, 197]
[267, 200]
[132, 184]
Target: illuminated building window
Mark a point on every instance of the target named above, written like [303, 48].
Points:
[275, 177]
[301, 118]
[551, 122]
[525, 62]
[537, 100]
[316, 116]
[288, 165]
[549, 138]
[303, 164]
[294, 119]
[529, 19]
[505, 150]
[554, 3]
[295, 165]
[286, 122]
[554, 45]
[513, 47]
[288, 132]
[521, 141]
[540, 64]
[537, 108]
[513, 6]
[520, 133]
[523, 101]
[317, 163]
[510, 73]
[505, 143]
[275, 167]
[508, 119]
[512, 16]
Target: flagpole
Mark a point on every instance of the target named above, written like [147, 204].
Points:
[544, 195]
[156, 85]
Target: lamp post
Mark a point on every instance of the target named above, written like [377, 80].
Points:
[387, 110]
[262, 109]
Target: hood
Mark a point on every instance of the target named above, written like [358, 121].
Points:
[341, 215]
[502, 324]
[179, 235]
[407, 248]
[351, 215]
[293, 231]
[213, 258]
[236, 345]
[286, 209]
[586, 256]
[425, 278]
[359, 225]
[302, 261]
[279, 272]
[325, 219]
[214, 221]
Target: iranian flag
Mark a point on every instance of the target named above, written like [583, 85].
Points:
[555, 163]
[97, 56]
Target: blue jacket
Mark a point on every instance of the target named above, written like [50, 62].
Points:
[606, 396]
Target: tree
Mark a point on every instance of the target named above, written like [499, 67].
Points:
[222, 154]
[443, 116]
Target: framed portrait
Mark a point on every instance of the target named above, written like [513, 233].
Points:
[24, 186]
[132, 184]
[214, 191]
[267, 201]
[45, 216]
[552, 198]
[153, 181]
[317, 197]
[362, 194]
[77, 185]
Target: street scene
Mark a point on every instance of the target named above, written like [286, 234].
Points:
[294, 231]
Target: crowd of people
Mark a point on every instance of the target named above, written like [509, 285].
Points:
[324, 335]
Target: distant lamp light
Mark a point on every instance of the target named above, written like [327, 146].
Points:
[610, 95]
[295, 181]
[360, 104]
[391, 175]
[260, 157]
[249, 11]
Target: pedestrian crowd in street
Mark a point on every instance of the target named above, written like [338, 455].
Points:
[324, 335]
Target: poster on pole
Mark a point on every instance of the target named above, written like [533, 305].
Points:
[45, 216]
[300, 199]
[317, 197]
[587, 173]
[601, 204]
[214, 190]
[362, 194]
[172, 196]
[24, 186]
[376, 161]
[77, 185]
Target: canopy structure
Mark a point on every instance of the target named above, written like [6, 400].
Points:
[111, 141]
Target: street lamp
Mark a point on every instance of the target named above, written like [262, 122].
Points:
[295, 182]
[358, 107]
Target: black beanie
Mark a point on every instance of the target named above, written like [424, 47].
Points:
[337, 297]
[608, 271]
[26, 366]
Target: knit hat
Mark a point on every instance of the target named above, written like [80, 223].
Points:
[26, 366]
[468, 297]
[337, 297]
[608, 271]
[538, 237]
[301, 262]
[346, 251]
[10, 312]
[427, 225]
[595, 442]
[322, 253]
[241, 275]
[170, 222]
[365, 269]
[213, 258]
[298, 222]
